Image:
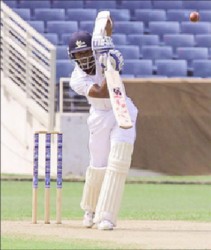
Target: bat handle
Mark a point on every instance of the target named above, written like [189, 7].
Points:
[109, 65]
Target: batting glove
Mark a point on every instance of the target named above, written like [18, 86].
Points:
[116, 58]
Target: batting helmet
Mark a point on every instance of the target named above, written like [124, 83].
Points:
[79, 41]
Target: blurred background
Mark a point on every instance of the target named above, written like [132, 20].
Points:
[167, 73]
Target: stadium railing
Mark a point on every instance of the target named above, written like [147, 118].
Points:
[29, 61]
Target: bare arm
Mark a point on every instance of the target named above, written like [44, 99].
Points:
[99, 91]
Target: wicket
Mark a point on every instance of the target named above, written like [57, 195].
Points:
[48, 136]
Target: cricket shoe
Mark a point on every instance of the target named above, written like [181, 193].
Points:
[88, 219]
[105, 225]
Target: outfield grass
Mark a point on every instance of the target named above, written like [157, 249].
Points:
[140, 201]
[15, 242]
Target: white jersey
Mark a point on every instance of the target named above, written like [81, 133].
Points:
[101, 121]
[81, 83]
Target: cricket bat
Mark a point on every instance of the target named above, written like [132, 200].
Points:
[116, 88]
[117, 96]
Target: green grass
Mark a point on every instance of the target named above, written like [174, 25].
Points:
[11, 243]
[140, 201]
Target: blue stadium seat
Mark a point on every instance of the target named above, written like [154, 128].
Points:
[141, 40]
[133, 5]
[209, 53]
[171, 68]
[61, 52]
[38, 25]
[52, 37]
[160, 28]
[64, 68]
[11, 4]
[178, 15]
[155, 52]
[81, 14]
[23, 13]
[203, 40]
[120, 15]
[119, 39]
[138, 67]
[129, 51]
[179, 40]
[100, 4]
[196, 28]
[33, 4]
[61, 27]
[190, 54]
[65, 38]
[67, 4]
[87, 26]
[205, 15]
[147, 15]
[202, 68]
[127, 28]
[49, 14]
[197, 5]
[167, 4]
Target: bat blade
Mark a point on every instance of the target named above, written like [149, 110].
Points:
[118, 98]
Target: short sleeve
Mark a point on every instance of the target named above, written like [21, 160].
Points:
[81, 84]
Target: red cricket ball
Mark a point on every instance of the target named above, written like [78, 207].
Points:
[194, 16]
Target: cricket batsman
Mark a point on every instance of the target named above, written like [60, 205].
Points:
[110, 146]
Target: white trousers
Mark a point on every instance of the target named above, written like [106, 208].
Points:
[104, 130]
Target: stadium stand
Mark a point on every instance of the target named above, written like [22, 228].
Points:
[138, 67]
[179, 40]
[143, 30]
[133, 5]
[190, 54]
[155, 52]
[12, 4]
[87, 26]
[129, 51]
[126, 27]
[161, 28]
[203, 40]
[81, 14]
[38, 25]
[171, 68]
[100, 4]
[61, 27]
[178, 15]
[119, 39]
[120, 15]
[202, 68]
[49, 14]
[23, 13]
[196, 28]
[168, 4]
[197, 5]
[33, 4]
[65, 38]
[205, 15]
[67, 4]
[64, 68]
[62, 52]
[141, 40]
[148, 15]
[52, 37]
